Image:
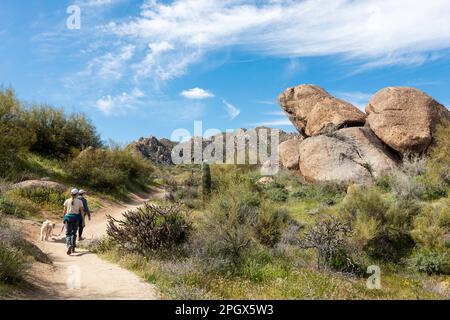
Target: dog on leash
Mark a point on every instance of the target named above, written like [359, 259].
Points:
[47, 230]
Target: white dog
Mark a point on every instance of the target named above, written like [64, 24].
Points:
[47, 230]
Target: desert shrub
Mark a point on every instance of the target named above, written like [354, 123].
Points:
[270, 224]
[401, 213]
[237, 223]
[49, 197]
[363, 202]
[342, 261]
[431, 225]
[57, 134]
[8, 207]
[430, 261]
[150, 228]
[278, 195]
[407, 187]
[437, 176]
[109, 169]
[389, 245]
[275, 191]
[189, 196]
[327, 194]
[384, 182]
[13, 264]
[15, 207]
[327, 237]
[14, 135]
[227, 231]
[101, 245]
[406, 182]
[380, 227]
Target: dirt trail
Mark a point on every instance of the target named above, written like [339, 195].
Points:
[99, 279]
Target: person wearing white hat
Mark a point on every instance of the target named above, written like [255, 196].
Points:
[73, 215]
[87, 213]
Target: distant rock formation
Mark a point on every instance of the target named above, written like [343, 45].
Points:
[156, 151]
[160, 151]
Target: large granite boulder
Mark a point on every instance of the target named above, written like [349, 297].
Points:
[349, 155]
[314, 111]
[290, 153]
[405, 118]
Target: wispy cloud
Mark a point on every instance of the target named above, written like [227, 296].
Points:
[369, 32]
[197, 94]
[118, 105]
[267, 102]
[166, 38]
[231, 110]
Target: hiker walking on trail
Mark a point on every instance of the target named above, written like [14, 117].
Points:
[73, 217]
[87, 213]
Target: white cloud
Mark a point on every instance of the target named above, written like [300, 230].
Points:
[369, 33]
[196, 94]
[118, 105]
[231, 110]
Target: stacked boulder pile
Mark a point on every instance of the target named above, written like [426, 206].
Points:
[343, 144]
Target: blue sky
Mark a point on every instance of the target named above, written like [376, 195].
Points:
[147, 67]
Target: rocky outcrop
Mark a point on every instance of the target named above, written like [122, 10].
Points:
[157, 151]
[290, 153]
[161, 151]
[405, 118]
[349, 155]
[314, 111]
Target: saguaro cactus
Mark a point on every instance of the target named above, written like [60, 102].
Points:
[206, 180]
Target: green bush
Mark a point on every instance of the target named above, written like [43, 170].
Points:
[270, 224]
[278, 195]
[430, 261]
[13, 264]
[14, 207]
[275, 191]
[328, 194]
[436, 180]
[109, 169]
[237, 222]
[432, 224]
[389, 245]
[227, 231]
[14, 135]
[380, 227]
[56, 134]
[342, 261]
[48, 197]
